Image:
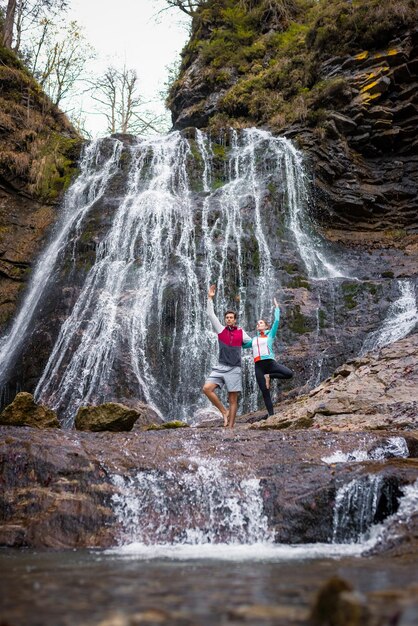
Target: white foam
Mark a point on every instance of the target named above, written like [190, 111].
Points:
[238, 552]
[389, 448]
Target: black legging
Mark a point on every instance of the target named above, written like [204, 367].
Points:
[275, 370]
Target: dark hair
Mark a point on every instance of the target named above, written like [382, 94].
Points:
[233, 313]
[263, 320]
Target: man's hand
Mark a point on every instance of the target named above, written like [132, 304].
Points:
[212, 291]
[276, 304]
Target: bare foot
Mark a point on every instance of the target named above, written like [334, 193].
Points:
[226, 418]
[267, 377]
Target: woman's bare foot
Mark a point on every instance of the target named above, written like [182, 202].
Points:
[267, 377]
[226, 418]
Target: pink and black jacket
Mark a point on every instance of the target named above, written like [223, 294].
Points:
[230, 339]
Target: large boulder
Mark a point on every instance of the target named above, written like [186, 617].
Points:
[24, 411]
[108, 416]
[374, 392]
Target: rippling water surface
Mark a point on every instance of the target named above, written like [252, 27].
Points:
[228, 586]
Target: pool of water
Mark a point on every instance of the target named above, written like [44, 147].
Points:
[154, 585]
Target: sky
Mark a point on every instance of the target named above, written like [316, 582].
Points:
[133, 33]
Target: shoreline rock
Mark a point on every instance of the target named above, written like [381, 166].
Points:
[373, 392]
[24, 411]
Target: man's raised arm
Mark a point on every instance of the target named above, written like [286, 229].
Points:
[216, 324]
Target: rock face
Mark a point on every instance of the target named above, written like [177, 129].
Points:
[377, 391]
[69, 489]
[38, 153]
[108, 416]
[340, 80]
[23, 411]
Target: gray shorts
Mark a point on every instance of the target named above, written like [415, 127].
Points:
[229, 376]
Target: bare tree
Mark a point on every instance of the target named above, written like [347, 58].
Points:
[7, 34]
[58, 58]
[22, 15]
[116, 91]
[187, 6]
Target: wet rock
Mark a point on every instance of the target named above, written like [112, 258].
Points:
[377, 391]
[168, 425]
[61, 488]
[108, 416]
[338, 605]
[263, 612]
[24, 411]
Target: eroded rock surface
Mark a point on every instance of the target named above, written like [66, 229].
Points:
[24, 411]
[377, 391]
[59, 487]
[108, 416]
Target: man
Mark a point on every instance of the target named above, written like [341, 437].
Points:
[228, 370]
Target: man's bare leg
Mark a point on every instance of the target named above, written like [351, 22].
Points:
[209, 391]
[233, 407]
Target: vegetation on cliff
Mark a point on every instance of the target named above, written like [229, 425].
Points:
[38, 145]
[263, 55]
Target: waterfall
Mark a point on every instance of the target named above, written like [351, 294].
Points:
[401, 318]
[360, 504]
[175, 215]
[90, 185]
[311, 246]
[392, 447]
[199, 506]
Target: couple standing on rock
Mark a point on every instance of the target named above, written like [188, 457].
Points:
[228, 370]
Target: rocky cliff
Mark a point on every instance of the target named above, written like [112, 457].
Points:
[340, 79]
[38, 153]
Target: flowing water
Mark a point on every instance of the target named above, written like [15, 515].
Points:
[190, 584]
[176, 214]
[186, 214]
[400, 320]
[92, 589]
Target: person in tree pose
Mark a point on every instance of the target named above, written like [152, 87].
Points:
[228, 369]
[265, 365]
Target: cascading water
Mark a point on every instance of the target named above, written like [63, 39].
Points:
[360, 504]
[389, 448]
[311, 246]
[401, 318]
[196, 507]
[96, 171]
[187, 213]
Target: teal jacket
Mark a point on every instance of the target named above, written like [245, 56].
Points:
[262, 344]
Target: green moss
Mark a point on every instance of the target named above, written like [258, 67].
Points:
[255, 259]
[372, 288]
[298, 322]
[290, 268]
[349, 293]
[322, 318]
[168, 425]
[297, 282]
[388, 274]
[272, 52]
[396, 233]
[57, 168]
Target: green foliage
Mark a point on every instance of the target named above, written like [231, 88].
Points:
[38, 144]
[360, 24]
[265, 54]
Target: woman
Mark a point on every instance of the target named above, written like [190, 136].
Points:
[265, 365]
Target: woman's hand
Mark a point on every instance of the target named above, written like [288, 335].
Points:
[276, 304]
[212, 291]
